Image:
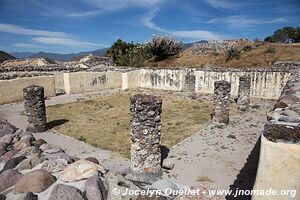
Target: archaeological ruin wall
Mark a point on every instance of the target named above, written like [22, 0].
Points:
[279, 159]
[265, 83]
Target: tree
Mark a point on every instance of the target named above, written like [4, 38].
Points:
[285, 35]
[268, 39]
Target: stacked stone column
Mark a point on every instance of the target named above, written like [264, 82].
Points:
[190, 81]
[221, 102]
[145, 134]
[243, 100]
[35, 108]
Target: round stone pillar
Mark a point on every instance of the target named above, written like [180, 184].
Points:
[243, 100]
[35, 108]
[145, 134]
[221, 102]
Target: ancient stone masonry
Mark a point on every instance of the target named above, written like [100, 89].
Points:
[221, 102]
[35, 108]
[190, 80]
[243, 100]
[284, 121]
[145, 134]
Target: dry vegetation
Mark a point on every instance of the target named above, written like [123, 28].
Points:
[104, 121]
[257, 57]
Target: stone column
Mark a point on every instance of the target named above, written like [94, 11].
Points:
[221, 102]
[190, 81]
[35, 108]
[243, 100]
[145, 134]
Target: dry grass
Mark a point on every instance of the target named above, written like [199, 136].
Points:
[257, 57]
[104, 121]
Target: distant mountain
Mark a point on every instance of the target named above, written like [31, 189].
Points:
[68, 57]
[5, 56]
[21, 55]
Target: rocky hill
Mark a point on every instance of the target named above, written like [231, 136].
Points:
[5, 56]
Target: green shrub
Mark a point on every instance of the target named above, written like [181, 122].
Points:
[271, 49]
[128, 54]
[247, 47]
[163, 46]
[233, 54]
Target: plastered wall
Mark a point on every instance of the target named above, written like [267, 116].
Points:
[12, 90]
[91, 81]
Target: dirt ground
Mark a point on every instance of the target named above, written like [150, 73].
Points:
[104, 120]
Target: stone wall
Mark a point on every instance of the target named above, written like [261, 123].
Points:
[12, 90]
[279, 159]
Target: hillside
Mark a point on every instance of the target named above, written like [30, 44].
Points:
[68, 57]
[5, 56]
[259, 56]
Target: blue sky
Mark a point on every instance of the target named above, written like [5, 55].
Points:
[64, 26]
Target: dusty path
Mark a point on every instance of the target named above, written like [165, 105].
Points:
[216, 156]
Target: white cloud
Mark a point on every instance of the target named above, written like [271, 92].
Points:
[197, 34]
[220, 4]
[243, 21]
[27, 45]
[147, 21]
[64, 42]
[10, 28]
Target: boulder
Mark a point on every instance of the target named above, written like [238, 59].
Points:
[7, 138]
[39, 142]
[55, 166]
[28, 151]
[168, 164]
[8, 155]
[59, 155]
[50, 148]
[2, 152]
[24, 142]
[93, 160]
[65, 192]
[115, 180]
[3, 145]
[31, 162]
[9, 178]
[35, 181]
[94, 188]
[12, 163]
[81, 169]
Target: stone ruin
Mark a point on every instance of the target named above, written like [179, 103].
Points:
[243, 100]
[213, 46]
[145, 134]
[221, 102]
[35, 108]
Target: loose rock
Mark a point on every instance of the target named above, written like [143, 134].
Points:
[34, 181]
[65, 192]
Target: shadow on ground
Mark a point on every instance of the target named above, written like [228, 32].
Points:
[246, 178]
[55, 123]
[164, 152]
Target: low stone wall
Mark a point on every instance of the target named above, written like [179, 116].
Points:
[12, 90]
[91, 81]
[279, 159]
